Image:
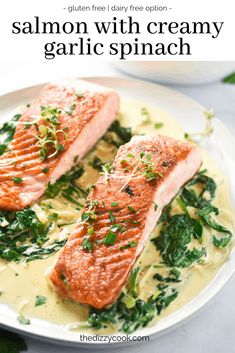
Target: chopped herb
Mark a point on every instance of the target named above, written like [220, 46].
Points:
[49, 132]
[174, 277]
[111, 217]
[17, 180]
[90, 231]
[129, 301]
[147, 116]
[40, 300]
[131, 209]
[110, 238]
[158, 126]
[106, 170]
[88, 216]
[132, 244]
[128, 190]
[155, 206]
[53, 216]
[114, 204]
[23, 320]
[148, 167]
[45, 170]
[63, 278]
[75, 159]
[132, 281]
[69, 110]
[86, 244]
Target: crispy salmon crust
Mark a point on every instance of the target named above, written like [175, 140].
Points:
[147, 172]
[23, 175]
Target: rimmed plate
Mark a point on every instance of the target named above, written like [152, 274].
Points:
[190, 115]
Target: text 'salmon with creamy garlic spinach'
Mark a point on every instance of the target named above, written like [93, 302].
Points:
[191, 240]
[87, 46]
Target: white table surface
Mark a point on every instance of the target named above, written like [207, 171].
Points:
[212, 330]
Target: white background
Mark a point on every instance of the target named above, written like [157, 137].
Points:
[28, 48]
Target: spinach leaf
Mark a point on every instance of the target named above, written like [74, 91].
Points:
[11, 342]
[97, 163]
[230, 78]
[23, 236]
[207, 184]
[205, 214]
[7, 131]
[132, 281]
[117, 134]
[178, 231]
[124, 133]
[67, 186]
[222, 242]
[174, 238]
[137, 316]
[174, 277]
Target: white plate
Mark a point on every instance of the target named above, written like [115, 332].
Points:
[190, 115]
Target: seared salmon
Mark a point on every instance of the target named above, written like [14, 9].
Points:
[119, 217]
[57, 130]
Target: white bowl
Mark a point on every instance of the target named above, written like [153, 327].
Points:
[178, 72]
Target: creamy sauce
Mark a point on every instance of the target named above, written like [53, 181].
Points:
[21, 283]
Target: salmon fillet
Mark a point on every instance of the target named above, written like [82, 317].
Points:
[57, 130]
[147, 173]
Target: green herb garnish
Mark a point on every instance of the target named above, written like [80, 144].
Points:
[23, 320]
[17, 180]
[49, 133]
[158, 126]
[110, 238]
[230, 78]
[69, 110]
[130, 208]
[45, 170]
[128, 190]
[132, 244]
[86, 244]
[40, 300]
[111, 217]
